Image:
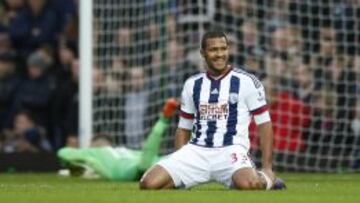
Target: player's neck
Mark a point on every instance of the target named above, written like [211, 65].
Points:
[216, 75]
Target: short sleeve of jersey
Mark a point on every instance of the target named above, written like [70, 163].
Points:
[255, 96]
[187, 102]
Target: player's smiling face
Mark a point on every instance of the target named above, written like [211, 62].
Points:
[216, 54]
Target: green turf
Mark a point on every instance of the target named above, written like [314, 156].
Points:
[49, 188]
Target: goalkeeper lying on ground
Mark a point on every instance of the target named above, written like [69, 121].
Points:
[119, 163]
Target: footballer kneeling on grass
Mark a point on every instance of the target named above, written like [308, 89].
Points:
[212, 139]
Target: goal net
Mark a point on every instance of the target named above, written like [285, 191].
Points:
[306, 53]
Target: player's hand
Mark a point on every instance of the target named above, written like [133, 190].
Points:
[269, 173]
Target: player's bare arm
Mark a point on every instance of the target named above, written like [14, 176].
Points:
[182, 137]
[266, 144]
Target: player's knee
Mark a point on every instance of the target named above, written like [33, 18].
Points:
[248, 185]
[156, 178]
[147, 183]
[242, 185]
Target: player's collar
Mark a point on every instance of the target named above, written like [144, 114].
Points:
[218, 78]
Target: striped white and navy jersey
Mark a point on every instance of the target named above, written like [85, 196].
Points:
[218, 112]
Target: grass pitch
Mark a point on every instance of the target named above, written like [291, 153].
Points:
[38, 188]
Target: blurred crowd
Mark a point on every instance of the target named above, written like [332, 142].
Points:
[38, 74]
[306, 53]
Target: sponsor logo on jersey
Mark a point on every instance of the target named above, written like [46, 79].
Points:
[214, 111]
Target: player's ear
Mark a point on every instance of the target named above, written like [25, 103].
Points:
[202, 52]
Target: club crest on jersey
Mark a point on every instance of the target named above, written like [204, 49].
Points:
[233, 98]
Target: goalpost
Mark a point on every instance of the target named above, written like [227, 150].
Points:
[86, 64]
[136, 53]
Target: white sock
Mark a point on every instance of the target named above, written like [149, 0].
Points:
[268, 181]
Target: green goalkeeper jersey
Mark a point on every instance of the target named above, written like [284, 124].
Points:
[119, 163]
[111, 163]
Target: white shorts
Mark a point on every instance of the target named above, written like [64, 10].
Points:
[193, 165]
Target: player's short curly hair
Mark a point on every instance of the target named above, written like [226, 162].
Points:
[212, 34]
